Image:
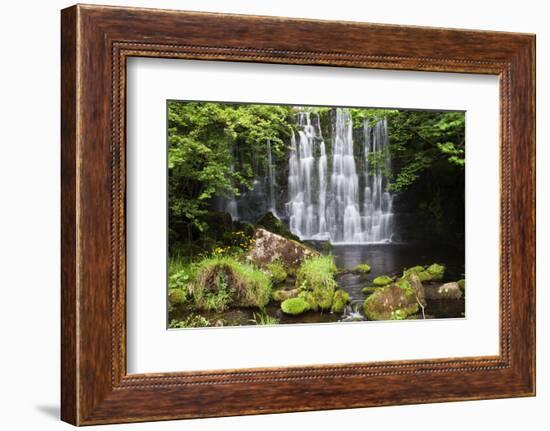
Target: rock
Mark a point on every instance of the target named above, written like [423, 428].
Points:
[294, 306]
[274, 225]
[462, 284]
[339, 301]
[268, 247]
[396, 301]
[382, 280]
[282, 294]
[363, 268]
[431, 273]
[445, 291]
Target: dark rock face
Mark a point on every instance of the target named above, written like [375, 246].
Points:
[271, 223]
[269, 247]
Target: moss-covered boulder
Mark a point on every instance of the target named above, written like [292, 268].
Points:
[382, 280]
[316, 281]
[177, 296]
[294, 306]
[283, 294]
[433, 272]
[362, 268]
[224, 281]
[268, 247]
[462, 284]
[272, 224]
[396, 301]
[339, 301]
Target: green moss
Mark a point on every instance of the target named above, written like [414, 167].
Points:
[294, 306]
[282, 294]
[399, 314]
[436, 271]
[462, 284]
[177, 296]
[364, 268]
[433, 272]
[382, 280]
[222, 281]
[277, 271]
[339, 301]
[315, 280]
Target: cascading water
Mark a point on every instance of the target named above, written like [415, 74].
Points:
[331, 206]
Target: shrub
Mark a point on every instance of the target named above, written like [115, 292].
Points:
[177, 296]
[294, 306]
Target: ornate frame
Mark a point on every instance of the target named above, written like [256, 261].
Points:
[95, 43]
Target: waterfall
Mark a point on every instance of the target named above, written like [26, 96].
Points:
[330, 205]
[271, 180]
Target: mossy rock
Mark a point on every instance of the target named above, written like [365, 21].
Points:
[462, 284]
[177, 296]
[316, 281]
[270, 247]
[390, 303]
[225, 281]
[274, 225]
[382, 280]
[433, 272]
[294, 306]
[339, 301]
[284, 294]
[363, 268]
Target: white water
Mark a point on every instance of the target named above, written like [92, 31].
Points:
[330, 205]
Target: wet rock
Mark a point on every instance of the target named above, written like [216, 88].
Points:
[282, 294]
[396, 301]
[444, 291]
[268, 247]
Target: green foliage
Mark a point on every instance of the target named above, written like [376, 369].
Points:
[277, 272]
[212, 148]
[192, 321]
[263, 318]
[315, 280]
[294, 306]
[177, 296]
[382, 280]
[462, 284]
[363, 267]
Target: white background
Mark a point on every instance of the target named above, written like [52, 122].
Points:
[29, 227]
[151, 348]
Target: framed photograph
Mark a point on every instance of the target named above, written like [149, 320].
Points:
[265, 214]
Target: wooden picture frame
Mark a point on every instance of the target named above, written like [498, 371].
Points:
[96, 41]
